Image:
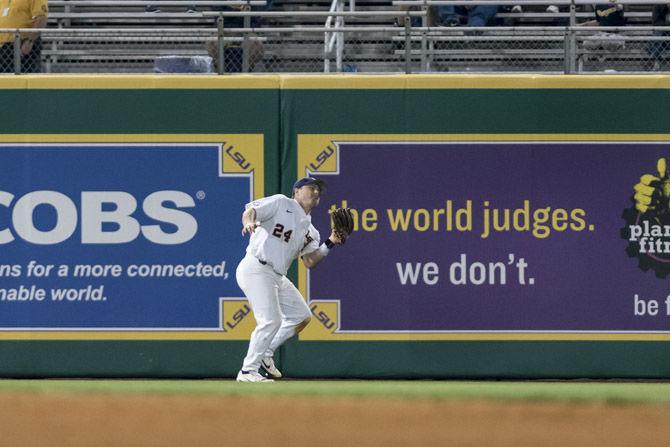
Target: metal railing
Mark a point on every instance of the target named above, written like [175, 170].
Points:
[334, 39]
[526, 2]
[305, 48]
[142, 3]
[368, 49]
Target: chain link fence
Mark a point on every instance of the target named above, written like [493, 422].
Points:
[362, 49]
[629, 51]
[20, 54]
[477, 50]
[122, 51]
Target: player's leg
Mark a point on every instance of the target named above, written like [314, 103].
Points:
[295, 317]
[259, 284]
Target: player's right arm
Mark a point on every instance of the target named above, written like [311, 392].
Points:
[259, 211]
[249, 222]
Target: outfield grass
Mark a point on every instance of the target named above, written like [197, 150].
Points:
[604, 392]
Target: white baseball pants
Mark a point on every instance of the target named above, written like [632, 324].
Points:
[277, 305]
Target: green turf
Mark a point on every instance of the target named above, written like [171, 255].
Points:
[607, 392]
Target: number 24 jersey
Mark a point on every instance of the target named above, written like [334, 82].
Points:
[286, 232]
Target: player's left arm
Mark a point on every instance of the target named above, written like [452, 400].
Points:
[312, 259]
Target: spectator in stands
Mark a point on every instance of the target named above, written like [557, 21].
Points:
[611, 14]
[238, 22]
[431, 14]
[608, 15]
[518, 9]
[234, 53]
[22, 14]
[523, 14]
[471, 15]
[660, 16]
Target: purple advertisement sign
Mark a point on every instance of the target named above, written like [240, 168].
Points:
[510, 236]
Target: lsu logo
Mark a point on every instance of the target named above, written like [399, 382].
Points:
[106, 217]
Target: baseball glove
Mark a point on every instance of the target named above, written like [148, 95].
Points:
[343, 223]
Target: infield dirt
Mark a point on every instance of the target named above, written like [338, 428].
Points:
[74, 420]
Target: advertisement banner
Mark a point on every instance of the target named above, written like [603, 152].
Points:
[518, 237]
[138, 239]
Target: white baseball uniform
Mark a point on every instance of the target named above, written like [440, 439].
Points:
[285, 232]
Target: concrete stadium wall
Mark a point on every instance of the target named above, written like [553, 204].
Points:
[435, 283]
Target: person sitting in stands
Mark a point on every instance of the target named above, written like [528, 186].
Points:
[471, 15]
[611, 14]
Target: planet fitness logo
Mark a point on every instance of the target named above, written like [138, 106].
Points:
[647, 228]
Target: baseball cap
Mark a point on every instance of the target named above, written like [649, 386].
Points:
[310, 181]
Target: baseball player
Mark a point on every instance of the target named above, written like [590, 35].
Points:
[281, 230]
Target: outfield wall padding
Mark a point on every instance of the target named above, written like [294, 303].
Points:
[496, 231]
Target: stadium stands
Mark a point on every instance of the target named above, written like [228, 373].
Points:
[121, 36]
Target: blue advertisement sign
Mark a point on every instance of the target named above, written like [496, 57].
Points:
[140, 237]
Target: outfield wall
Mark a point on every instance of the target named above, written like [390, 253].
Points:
[495, 233]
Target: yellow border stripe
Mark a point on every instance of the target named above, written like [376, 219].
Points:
[465, 137]
[522, 81]
[334, 82]
[223, 336]
[490, 336]
[113, 335]
[143, 82]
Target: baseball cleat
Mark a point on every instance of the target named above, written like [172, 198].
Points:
[251, 376]
[268, 364]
